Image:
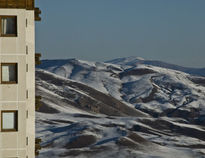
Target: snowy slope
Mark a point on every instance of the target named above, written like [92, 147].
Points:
[89, 111]
[89, 136]
[65, 93]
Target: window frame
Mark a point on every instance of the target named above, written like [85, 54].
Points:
[15, 129]
[9, 82]
[16, 27]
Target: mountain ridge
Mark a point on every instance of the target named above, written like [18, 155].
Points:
[132, 61]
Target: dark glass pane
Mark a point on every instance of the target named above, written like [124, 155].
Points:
[8, 25]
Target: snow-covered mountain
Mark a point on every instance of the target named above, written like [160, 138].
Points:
[132, 61]
[154, 90]
[95, 109]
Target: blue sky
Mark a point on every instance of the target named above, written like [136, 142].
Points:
[100, 30]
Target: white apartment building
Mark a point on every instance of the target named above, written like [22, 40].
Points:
[17, 78]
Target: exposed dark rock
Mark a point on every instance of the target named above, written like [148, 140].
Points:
[136, 72]
[47, 109]
[81, 141]
[198, 80]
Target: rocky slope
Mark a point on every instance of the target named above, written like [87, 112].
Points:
[67, 93]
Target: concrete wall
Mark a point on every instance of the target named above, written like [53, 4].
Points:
[20, 96]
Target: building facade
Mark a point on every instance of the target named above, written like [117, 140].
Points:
[17, 78]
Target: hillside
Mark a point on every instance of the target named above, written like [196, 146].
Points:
[93, 109]
[67, 93]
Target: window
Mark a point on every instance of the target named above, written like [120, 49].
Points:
[9, 73]
[9, 121]
[8, 26]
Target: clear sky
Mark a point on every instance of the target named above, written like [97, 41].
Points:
[99, 30]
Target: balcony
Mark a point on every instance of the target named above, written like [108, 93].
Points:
[38, 103]
[37, 59]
